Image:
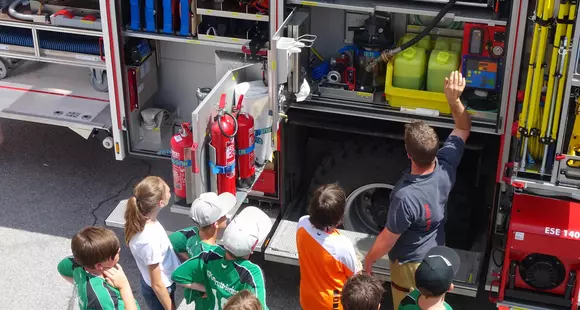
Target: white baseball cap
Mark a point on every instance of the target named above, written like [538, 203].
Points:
[246, 231]
[208, 208]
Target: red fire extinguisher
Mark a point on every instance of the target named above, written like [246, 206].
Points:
[179, 143]
[245, 147]
[223, 131]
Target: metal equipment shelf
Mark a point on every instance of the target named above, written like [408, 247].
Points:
[282, 249]
[172, 38]
[55, 95]
[374, 111]
[241, 196]
[576, 80]
[236, 15]
[51, 28]
[51, 56]
[460, 14]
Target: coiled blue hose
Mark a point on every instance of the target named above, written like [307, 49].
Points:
[16, 36]
[64, 42]
[69, 43]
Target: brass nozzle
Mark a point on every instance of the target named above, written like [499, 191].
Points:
[385, 57]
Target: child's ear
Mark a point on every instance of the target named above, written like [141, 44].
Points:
[451, 287]
[99, 266]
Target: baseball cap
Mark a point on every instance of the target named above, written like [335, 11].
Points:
[208, 208]
[246, 231]
[437, 270]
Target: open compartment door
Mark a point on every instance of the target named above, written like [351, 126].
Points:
[238, 70]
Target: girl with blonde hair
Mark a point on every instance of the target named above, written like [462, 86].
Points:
[150, 244]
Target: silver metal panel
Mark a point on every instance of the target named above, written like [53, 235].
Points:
[172, 38]
[225, 61]
[113, 51]
[236, 15]
[273, 86]
[53, 94]
[509, 104]
[241, 196]
[547, 189]
[459, 13]
[514, 47]
[51, 28]
[282, 248]
[393, 115]
[572, 69]
[170, 221]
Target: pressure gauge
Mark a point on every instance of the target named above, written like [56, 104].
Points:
[497, 50]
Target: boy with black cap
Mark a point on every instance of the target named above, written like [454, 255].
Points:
[226, 271]
[208, 212]
[433, 278]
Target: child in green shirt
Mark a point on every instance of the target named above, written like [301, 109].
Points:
[94, 270]
[433, 278]
[226, 271]
[208, 212]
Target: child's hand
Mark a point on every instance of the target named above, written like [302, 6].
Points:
[116, 277]
[454, 86]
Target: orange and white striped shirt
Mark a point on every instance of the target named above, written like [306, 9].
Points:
[326, 260]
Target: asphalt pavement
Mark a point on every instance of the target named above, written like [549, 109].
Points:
[53, 183]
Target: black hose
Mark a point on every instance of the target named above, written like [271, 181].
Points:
[387, 55]
[428, 28]
[235, 127]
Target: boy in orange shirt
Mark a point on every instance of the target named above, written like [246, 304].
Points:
[327, 258]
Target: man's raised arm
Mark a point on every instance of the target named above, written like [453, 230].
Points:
[454, 86]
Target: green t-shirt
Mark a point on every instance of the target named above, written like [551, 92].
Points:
[187, 240]
[94, 293]
[222, 278]
[411, 302]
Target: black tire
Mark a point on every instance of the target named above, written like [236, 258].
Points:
[357, 163]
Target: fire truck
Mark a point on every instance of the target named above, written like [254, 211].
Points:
[269, 99]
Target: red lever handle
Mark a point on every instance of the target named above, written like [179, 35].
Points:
[222, 103]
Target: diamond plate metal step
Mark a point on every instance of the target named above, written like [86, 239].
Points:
[282, 249]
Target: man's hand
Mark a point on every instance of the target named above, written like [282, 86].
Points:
[454, 86]
[116, 277]
[368, 269]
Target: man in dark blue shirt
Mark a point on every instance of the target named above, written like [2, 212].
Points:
[415, 221]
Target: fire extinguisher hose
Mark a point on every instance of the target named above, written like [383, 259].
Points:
[235, 125]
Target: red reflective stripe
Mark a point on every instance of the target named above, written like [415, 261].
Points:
[113, 65]
[51, 93]
[427, 216]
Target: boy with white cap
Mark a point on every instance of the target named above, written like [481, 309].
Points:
[227, 271]
[208, 212]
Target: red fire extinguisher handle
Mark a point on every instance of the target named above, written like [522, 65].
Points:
[186, 128]
[222, 103]
[240, 99]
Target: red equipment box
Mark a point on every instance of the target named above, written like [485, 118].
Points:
[483, 41]
[266, 183]
[542, 255]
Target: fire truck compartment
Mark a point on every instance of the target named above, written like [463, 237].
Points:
[54, 94]
[362, 159]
